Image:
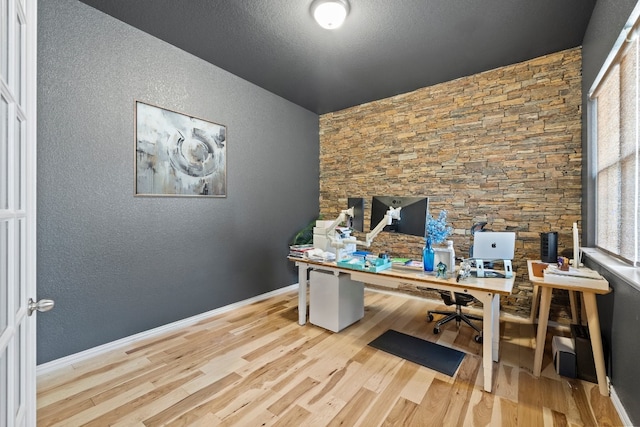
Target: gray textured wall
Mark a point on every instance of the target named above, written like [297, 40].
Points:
[618, 310]
[117, 264]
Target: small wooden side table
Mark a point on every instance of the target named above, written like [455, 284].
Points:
[589, 288]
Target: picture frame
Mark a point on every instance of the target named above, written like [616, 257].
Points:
[178, 155]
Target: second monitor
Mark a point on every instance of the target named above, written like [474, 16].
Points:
[413, 215]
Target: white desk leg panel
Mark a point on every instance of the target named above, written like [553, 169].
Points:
[302, 293]
[495, 323]
[490, 343]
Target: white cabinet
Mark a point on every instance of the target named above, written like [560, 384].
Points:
[335, 301]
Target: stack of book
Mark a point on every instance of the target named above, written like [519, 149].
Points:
[298, 251]
[577, 276]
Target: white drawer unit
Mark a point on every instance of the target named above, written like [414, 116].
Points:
[335, 301]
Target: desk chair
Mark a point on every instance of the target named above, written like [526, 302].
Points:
[460, 300]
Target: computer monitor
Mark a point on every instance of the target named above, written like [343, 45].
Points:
[357, 221]
[413, 215]
[494, 245]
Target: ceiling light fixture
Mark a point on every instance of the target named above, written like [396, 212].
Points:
[330, 14]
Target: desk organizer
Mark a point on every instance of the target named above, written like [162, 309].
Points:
[373, 266]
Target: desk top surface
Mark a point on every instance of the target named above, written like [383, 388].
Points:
[399, 274]
[582, 284]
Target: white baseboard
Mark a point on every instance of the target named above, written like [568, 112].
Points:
[54, 365]
[622, 413]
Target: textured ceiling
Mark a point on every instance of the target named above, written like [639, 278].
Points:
[384, 48]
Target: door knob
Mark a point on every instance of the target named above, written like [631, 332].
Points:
[42, 305]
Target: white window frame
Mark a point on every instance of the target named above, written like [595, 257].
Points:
[630, 32]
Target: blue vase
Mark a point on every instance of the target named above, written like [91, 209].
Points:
[428, 255]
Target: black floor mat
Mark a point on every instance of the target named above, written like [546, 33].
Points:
[425, 353]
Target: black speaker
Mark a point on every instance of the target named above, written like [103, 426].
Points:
[549, 247]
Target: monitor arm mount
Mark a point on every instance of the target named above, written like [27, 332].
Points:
[348, 213]
[392, 213]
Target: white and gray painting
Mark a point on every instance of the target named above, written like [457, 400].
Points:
[178, 154]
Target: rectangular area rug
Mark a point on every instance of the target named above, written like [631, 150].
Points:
[425, 353]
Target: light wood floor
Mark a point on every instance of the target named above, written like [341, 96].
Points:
[256, 366]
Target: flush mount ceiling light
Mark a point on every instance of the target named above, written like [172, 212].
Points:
[330, 14]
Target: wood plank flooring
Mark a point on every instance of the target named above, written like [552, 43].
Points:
[255, 366]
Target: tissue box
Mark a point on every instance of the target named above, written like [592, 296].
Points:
[564, 356]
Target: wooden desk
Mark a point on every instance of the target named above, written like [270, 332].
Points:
[486, 290]
[589, 288]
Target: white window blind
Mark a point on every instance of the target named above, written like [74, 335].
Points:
[614, 123]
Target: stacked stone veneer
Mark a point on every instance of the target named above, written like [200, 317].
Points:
[502, 146]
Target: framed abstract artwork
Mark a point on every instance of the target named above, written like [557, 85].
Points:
[178, 155]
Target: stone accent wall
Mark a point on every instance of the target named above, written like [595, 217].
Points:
[502, 146]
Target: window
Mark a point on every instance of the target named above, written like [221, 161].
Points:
[614, 123]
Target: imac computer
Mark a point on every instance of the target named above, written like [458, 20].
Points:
[494, 245]
[413, 215]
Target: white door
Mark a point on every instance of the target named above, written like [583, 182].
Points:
[17, 211]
